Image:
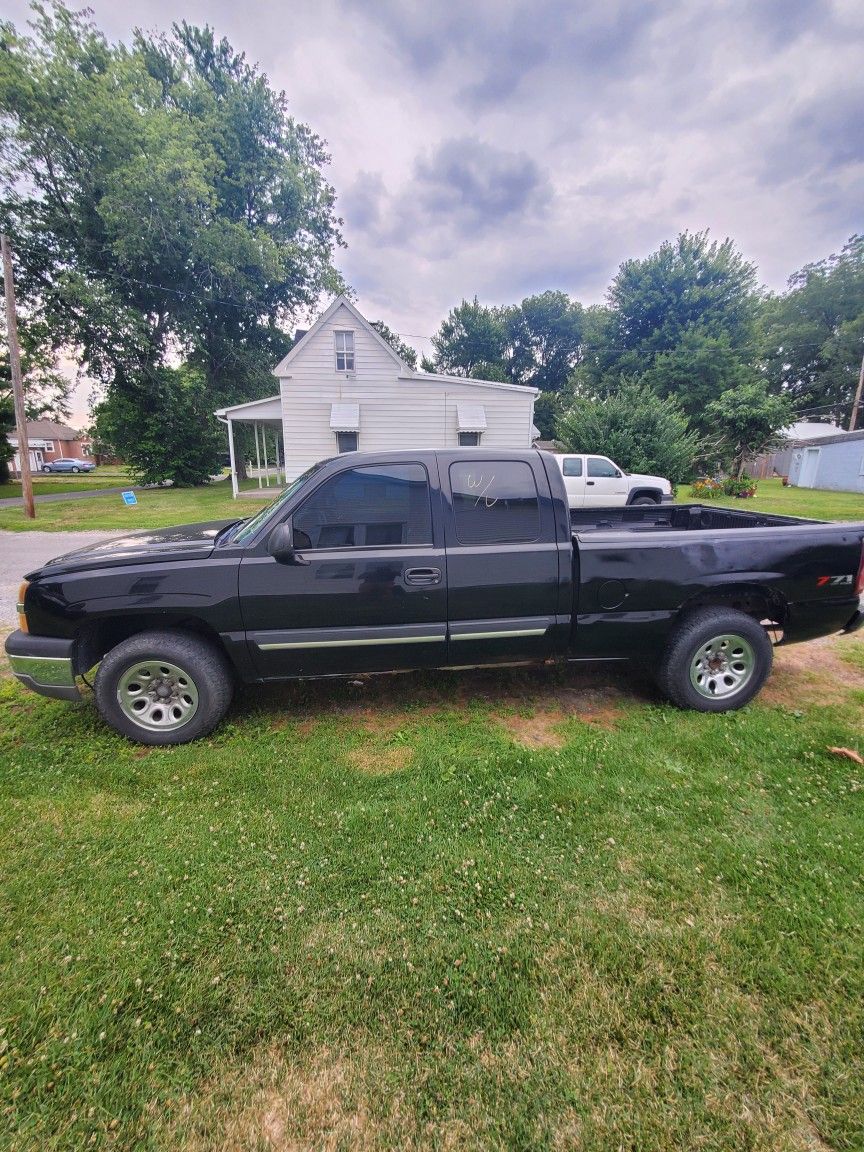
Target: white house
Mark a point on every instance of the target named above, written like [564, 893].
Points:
[342, 388]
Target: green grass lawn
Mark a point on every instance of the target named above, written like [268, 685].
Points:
[511, 910]
[45, 484]
[156, 508]
[771, 496]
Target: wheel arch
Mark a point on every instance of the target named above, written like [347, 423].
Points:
[638, 493]
[98, 637]
[751, 598]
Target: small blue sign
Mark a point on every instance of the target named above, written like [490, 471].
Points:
[129, 497]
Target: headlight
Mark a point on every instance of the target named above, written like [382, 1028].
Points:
[22, 619]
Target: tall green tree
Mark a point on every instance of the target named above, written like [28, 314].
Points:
[639, 430]
[814, 333]
[683, 320]
[164, 206]
[471, 335]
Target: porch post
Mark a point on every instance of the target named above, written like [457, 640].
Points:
[231, 457]
[266, 465]
[257, 452]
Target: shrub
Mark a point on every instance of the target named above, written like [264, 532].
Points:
[706, 489]
[739, 486]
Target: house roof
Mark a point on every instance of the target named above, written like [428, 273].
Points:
[51, 430]
[837, 438]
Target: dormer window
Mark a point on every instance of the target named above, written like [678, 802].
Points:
[344, 351]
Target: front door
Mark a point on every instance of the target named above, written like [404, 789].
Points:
[370, 592]
[605, 484]
[502, 561]
[809, 467]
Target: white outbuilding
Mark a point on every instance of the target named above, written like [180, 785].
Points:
[342, 388]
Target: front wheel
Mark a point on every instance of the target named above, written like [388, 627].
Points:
[644, 500]
[76, 469]
[46, 467]
[163, 688]
[716, 660]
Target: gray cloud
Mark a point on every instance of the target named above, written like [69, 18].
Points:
[478, 186]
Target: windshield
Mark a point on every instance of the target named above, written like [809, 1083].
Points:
[246, 529]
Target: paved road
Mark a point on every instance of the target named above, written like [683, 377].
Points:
[17, 501]
[21, 552]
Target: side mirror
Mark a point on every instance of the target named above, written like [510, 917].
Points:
[280, 544]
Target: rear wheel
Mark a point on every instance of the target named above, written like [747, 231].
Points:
[46, 467]
[717, 660]
[163, 688]
[76, 469]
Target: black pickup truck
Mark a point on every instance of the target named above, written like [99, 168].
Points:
[450, 559]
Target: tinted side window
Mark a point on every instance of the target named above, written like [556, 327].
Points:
[572, 466]
[600, 467]
[495, 502]
[367, 507]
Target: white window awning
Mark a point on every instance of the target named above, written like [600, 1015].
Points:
[470, 418]
[344, 417]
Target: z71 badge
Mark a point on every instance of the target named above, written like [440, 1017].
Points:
[833, 581]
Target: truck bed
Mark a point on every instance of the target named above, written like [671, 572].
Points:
[685, 517]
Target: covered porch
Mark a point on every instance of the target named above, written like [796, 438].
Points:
[267, 457]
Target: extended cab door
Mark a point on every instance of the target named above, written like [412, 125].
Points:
[605, 484]
[573, 471]
[502, 559]
[369, 593]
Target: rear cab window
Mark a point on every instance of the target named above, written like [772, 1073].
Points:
[572, 466]
[495, 502]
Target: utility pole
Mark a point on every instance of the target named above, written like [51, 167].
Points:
[856, 403]
[17, 382]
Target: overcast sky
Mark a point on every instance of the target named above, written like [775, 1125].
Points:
[502, 148]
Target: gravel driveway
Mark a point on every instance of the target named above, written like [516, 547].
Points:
[21, 552]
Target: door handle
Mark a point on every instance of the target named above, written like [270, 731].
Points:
[590, 483]
[422, 575]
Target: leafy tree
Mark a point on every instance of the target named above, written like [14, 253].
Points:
[471, 335]
[683, 320]
[748, 419]
[182, 447]
[814, 334]
[7, 425]
[544, 340]
[163, 205]
[639, 430]
[403, 350]
[46, 389]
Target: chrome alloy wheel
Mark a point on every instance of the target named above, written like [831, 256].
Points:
[157, 695]
[722, 666]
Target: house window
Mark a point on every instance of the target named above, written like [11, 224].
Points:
[469, 439]
[346, 441]
[344, 352]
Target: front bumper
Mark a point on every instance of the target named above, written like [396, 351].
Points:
[667, 498]
[45, 664]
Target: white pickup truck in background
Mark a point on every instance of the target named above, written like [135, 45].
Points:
[597, 482]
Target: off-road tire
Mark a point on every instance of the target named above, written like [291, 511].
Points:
[202, 665]
[691, 642]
